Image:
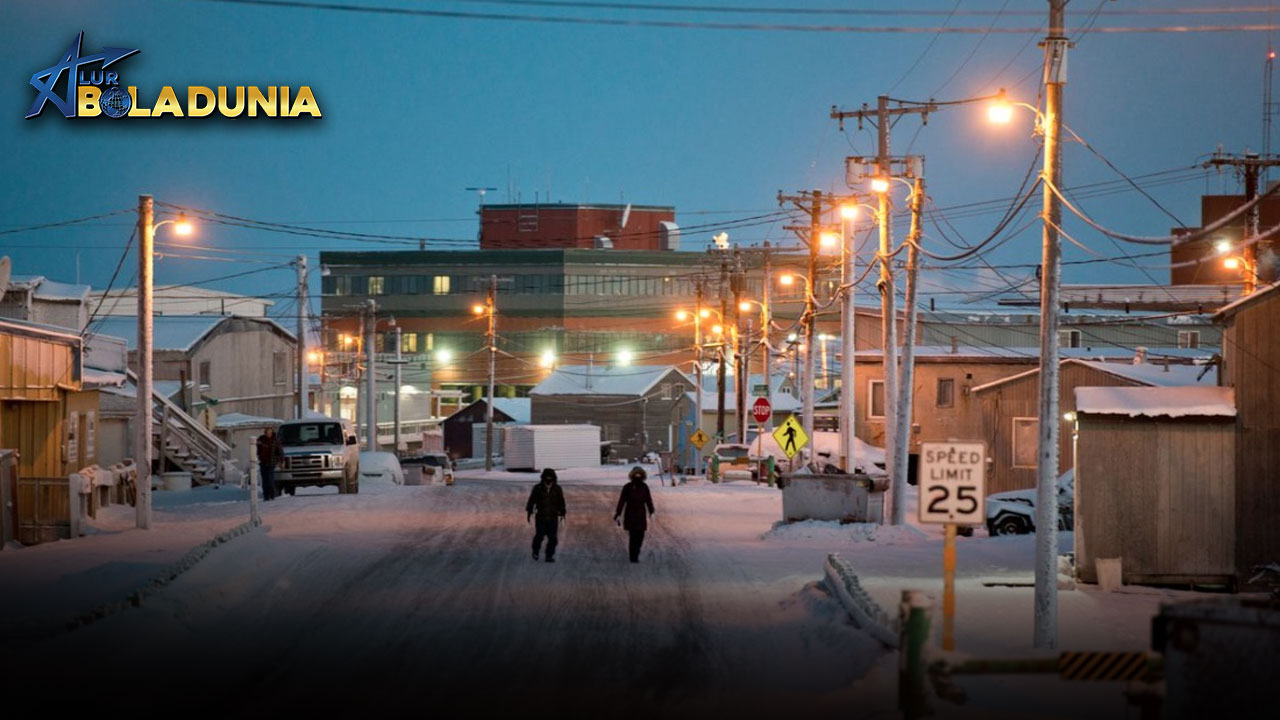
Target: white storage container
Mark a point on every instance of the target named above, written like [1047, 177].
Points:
[534, 447]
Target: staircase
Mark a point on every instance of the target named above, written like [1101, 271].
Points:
[184, 442]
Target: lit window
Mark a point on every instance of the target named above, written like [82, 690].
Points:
[440, 285]
[409, 342]
[376, 284]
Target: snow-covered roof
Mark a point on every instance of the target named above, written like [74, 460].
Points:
[518, 409]
[239, 420]
[45, 289]
[1145, 373]
[102, 378]
[38, 329]
[1258, 294]
[584, 380]
[172, 332]
[1157, 401]
[780, 401]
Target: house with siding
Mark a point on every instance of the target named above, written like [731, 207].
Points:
[460, 428]
[223, 363]
[37, 299]
[638, 408]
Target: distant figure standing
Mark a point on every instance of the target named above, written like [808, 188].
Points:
[548, 500]
[635, 500]
[270, 454]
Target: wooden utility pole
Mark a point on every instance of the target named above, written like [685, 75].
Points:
[143, 416]
[371, 382]
[1046, 563]
[882, 181]
[1259, 255]
[724, 312]
[493, 352]
[815, 204]
[741, 372]
[906, 385]
[300, 402]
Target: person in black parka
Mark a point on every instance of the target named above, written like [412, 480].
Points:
[633, 503]
[547, 499]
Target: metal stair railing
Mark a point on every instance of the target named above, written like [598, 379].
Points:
[199, 441]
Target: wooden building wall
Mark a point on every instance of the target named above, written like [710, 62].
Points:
[963, 420]
[1021, 399]
[1251, 364]
[1168, 510]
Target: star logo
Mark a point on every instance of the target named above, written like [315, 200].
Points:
[46, 81]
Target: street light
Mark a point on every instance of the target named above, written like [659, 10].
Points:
[144, 412]
[548, 359]
[624, 357]
[880, 185]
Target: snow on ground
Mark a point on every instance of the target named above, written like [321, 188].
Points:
[742, 589]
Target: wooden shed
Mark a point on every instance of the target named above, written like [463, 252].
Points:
[1155, 483]
[1251, 365]
[1011, 410]
[458, 426]
[39, 369]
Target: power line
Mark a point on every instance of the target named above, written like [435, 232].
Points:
[735, 26]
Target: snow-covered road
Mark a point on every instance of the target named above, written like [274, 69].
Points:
[426, 597]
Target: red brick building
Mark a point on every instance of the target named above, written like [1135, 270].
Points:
[566, 226]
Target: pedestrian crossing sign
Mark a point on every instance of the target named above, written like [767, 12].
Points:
[699, 438]
[790, 436]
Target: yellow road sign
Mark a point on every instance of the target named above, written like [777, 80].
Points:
[699, 438]
[790, 436]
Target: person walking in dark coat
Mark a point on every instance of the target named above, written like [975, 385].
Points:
[633, 503]
[547, 500]
[270, 455]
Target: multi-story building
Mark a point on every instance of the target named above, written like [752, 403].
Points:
[584, 227]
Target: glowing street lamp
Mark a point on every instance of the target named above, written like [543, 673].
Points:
[880, 185]
[548, 359]
[624, 357]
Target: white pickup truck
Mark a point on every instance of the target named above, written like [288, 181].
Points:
[319, 452]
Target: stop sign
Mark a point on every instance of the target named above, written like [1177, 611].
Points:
[761, 410]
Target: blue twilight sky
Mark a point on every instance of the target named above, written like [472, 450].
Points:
[714, 122]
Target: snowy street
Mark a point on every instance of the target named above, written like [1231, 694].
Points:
[426, 597]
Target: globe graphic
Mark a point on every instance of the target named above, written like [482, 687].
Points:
[115, 102]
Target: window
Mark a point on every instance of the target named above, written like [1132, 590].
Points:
[1069, 338]
[1026, 437]
[377, 284]
[875, 408]
[206, 372]
[440, 285]
[1188, 338]
[279, 367]
[409, 342]
[946, 392]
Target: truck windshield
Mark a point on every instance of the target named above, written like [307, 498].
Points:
[317, 433]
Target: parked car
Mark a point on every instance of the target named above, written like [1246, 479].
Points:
[736, 462]
[380, 467]
[436, 466]
[1014, 512]
[319, 452]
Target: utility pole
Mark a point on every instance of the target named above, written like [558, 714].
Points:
[810, 236]
[493, 351]
[395, 401]
[740, 369]
[765, 320]
[697, 368]
[906, 384]
[1046, 590]
[848, 345]
[301, 401]
[882, 118]
[724, 312]
[142, 418]
[1259, 255]
[371, 386]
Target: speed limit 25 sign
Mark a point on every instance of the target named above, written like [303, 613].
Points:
[952, 481]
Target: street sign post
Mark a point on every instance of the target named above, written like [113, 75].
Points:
[761, 410]
[791, 436]
[952, 492]
[699, 438]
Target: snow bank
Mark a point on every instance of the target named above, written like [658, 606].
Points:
[832, 532]
[1157, 401]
